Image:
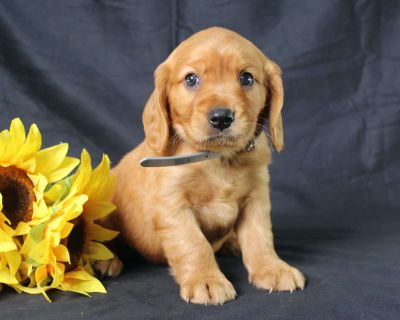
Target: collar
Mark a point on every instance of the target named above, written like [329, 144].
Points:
[251, 145]
[189, 158]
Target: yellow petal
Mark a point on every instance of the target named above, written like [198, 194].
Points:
[98, 233]
[58, 191]
[82, 282]
[6, 242]
[85, 265]
[78, 275]
[61, 253]
[3, 261]
[56, 223]
[5, 225]
[28, 165]
[35, 290]
[74, 208]
[40, 211]
[58, 275]
[40, 252]
[40, 274]
[25, 269]
[17, 131]
[98, 251]
[14, 260]
[14, 141]
[98, 210]
[82, 176]
[28, 245]
[7, 277]
[49, 159]
[102, 183]
[40, 182]
[22, 229]
[63, 170]
[32, 144]
[66, 230]
[82, 287]
[5, 146]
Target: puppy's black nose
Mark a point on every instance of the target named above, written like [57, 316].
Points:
[221, 118]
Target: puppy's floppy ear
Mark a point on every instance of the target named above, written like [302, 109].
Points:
[155, 115]
[275, 103]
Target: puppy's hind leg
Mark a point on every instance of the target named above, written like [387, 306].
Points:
[231, 246]
[109, 268]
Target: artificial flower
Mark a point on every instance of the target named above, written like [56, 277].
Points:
[71, 240]
[49, 231]
[25, 171]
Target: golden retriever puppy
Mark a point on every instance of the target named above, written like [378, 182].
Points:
[214, 92]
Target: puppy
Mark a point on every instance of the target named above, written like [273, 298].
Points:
[214, 92]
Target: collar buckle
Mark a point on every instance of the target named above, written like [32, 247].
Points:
[250, 146]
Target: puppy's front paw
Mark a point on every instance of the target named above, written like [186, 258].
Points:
[109, 268]
[277, 276]
[214, 289]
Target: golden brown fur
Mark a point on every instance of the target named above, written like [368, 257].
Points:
[183, 214]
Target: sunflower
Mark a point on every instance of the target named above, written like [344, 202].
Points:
[64, 247]
[98, 186]
[86, 239]
[25, 171]
[49, 231]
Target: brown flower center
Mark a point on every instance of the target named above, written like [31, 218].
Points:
[18, 195]
[75, 242]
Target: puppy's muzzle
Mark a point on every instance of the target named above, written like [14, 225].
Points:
[221, 118]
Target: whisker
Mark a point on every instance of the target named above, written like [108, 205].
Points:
[174, 140]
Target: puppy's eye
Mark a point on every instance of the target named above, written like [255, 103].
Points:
[191, 80]
[246, 79]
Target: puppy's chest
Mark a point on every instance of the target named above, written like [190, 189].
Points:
[215, 199]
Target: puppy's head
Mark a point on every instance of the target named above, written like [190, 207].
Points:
[215, 92]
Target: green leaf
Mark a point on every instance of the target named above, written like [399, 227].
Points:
[48, 187]
[34, 263]
[37, 232]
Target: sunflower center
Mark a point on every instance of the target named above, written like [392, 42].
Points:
[18, 196]
[75, 241]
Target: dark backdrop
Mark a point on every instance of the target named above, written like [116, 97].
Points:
[82, 70]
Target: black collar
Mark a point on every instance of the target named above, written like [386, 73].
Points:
[251, 145]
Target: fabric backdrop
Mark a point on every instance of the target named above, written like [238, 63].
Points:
[82, 70]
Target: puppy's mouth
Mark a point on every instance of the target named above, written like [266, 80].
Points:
[214, 140]
[222, 140]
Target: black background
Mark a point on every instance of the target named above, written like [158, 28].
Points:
[82, 70]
